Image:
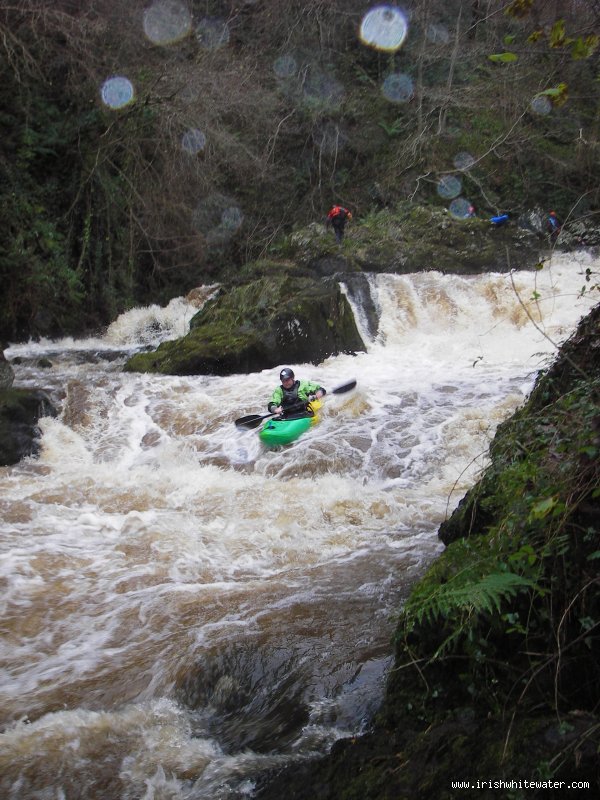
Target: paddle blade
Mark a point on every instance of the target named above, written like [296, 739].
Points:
[250, 422]
[345, 387]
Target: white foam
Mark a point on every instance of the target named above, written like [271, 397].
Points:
[150, 533]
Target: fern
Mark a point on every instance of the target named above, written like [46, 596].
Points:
[391, 130]
[464, 594]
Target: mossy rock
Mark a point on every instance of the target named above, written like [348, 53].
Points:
[410, 763]
[274, 319]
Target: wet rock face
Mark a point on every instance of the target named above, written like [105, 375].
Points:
[7, 374]
[20, 411]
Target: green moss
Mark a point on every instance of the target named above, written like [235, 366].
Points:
[250, 326]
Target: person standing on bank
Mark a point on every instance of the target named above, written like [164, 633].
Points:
[553, 226]
[337, 218]
[292, 392]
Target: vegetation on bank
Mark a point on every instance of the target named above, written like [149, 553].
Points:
[497, 661]
[103, 207]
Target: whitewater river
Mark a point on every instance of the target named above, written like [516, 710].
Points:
[182, 609]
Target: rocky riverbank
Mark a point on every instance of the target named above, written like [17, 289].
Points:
[497, 651]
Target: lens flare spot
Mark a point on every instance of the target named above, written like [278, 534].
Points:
[218, 218]
[117, 92]
[167, 21]
[384, 28]
[449, 186]
[193, 141]
[461, 208]
[322, 90]
[463, 161]
[398, 88]
[541, 105]
[330, 138]
[285, 66]
[437, 34]
[232, 219]
[212, 33]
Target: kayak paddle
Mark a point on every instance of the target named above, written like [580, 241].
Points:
[254, 420]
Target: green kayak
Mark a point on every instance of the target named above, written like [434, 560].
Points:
[284, 431]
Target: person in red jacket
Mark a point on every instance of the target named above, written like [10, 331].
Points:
[337, 218]
[553, 226]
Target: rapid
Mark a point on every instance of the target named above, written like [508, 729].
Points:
[181, 608]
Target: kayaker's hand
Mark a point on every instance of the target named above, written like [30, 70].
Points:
[278, 410]
[320, 393]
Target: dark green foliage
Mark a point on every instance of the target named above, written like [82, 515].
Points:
[36, 273]
[97, 206]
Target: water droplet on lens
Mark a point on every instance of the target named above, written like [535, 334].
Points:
[398, 88]
[541, 105]
[167, 21]
[321, 89]
[384, 28]
[117, 92]
[463, 161]
[212, 33]
[437, 34]
[193, 141]
[460, 208]
[449, 186]
[232, 219]
[285, 66]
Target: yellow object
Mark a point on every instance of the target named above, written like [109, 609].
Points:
[314, 406]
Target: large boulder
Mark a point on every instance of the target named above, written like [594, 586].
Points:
[278, 316]
[20, 411]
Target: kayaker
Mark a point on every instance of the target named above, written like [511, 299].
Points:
[292, 392]
[337, 218]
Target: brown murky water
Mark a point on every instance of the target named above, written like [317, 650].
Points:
[182, 608]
